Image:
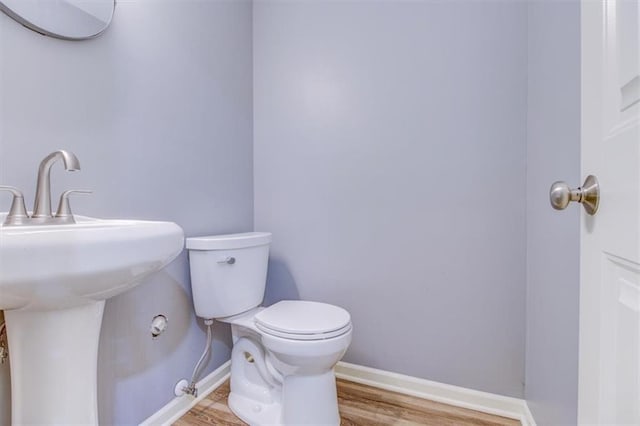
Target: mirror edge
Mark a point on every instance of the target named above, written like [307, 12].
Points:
[35, 28]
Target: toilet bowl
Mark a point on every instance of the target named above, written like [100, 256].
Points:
[283, 356]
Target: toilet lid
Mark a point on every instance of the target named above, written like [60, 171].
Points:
[302, 318]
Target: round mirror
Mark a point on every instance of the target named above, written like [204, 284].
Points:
[66, 19]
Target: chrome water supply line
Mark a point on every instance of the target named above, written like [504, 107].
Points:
[184, 387]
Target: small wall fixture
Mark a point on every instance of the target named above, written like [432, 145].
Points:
[159, 324]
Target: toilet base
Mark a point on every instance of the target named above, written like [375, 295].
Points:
[254, 412]
[310, 400]
[307, 400]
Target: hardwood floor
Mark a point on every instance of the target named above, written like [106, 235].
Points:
[359, 405]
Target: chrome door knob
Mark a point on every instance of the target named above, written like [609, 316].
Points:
[588, 195]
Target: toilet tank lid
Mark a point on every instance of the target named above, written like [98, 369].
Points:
[228, 241]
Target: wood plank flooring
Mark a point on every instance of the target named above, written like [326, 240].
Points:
[360, 405]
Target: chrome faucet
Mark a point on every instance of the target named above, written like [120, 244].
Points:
[42, 203]
[42, 213]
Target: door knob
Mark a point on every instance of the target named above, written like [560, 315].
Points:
[588, 195]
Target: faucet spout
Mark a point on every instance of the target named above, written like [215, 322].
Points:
[42, 204]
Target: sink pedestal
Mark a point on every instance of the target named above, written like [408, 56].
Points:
[54, 357]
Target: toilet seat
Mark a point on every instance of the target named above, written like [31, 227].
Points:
[303, 320]
[294, 336]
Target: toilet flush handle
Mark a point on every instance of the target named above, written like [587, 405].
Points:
[228, 260]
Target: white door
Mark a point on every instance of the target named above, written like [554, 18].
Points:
[609, 371]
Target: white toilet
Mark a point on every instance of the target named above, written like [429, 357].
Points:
[283, 356]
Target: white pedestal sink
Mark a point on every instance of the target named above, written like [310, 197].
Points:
[54, 280]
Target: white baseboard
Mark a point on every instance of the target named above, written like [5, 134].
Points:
[179, 406]
[485, 402]
[528, 417]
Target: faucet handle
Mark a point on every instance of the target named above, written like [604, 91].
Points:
[64, 209]
[18, 211]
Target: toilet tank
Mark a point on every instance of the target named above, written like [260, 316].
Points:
[228, 272]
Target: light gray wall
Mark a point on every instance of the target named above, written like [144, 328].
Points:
[159, 112]
[389, 162]
[553, 238]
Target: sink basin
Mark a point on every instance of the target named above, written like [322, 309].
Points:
[61, 266]
[54, 280]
